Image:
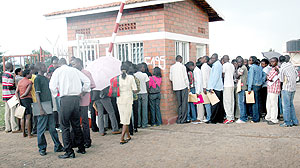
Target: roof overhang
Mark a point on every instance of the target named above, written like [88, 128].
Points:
[69, 13]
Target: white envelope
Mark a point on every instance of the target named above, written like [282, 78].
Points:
[12, 101]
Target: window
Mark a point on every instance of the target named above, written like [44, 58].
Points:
[133, 52]
[201, 51]
[87, 52]
[182, 49]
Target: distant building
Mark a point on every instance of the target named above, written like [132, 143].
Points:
[293, 48]
[151, 31]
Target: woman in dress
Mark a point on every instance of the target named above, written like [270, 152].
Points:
[127, 87]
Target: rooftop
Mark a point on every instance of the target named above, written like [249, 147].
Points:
[212, 14]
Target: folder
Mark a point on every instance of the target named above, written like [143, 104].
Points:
[250, 97]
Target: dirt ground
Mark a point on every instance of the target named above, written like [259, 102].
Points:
[245, 145]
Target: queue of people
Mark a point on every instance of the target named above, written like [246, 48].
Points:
[58, 98]
[273, 83]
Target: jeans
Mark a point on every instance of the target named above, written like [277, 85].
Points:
[43, 122]
[289, 114]
[242, 106]
[143, 110]
[256, 105]
[155, 109]
[208, 111]
[280, 109]
[191, 115]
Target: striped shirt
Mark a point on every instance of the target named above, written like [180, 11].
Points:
[275, 86]
[288, 75]
[8, 90]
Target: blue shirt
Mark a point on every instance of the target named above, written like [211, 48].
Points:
[255, 76]
[215, 79]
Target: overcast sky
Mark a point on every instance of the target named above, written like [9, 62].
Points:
[250, 26]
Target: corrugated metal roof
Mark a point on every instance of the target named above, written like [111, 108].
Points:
[213, 15]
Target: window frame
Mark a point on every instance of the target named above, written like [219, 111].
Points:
[182, 48]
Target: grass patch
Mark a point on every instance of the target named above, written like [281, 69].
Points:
[2, 110]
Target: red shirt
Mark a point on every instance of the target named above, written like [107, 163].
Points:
[274, 86]
[22, 86]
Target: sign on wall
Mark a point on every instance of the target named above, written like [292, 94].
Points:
[158, 61]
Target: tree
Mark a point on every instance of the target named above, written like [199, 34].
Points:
[45, 52]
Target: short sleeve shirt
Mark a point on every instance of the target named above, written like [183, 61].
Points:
[228, 70]
[143, 78]
[41, 85]
[22, 85]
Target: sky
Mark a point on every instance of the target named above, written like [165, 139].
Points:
[250, 26]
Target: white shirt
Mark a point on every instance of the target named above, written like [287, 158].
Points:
[143, 78]
[178, 76]
[205, 69]
[198, 80]
[228, 70]
[69, 82]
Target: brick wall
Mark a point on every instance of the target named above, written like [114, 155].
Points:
[167, 17]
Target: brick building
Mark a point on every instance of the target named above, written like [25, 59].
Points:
[151, 31]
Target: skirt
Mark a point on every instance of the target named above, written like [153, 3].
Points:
[27, 104]
[125, 111]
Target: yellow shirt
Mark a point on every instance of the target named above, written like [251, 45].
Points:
[33, 89]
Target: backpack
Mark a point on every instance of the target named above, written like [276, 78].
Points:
[154, 90]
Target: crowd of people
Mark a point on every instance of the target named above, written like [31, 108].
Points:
[58, 98]
[231, 82]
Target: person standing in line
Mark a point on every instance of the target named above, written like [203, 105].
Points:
[46, 118]
[255, 80]
[242, 76]
[191, 115]
[84, 103]
[71, 83]
[264, 90]
[23, 93]
[236, 100]
[134, 119]
[215, 85]
[8, 91]
[180, 83]
[198, 90]
[205, 69]
[288, 75]
[127, 87]
[155, 96]
[18, 73]
[228, 93]
[142, 96]
[273, 92]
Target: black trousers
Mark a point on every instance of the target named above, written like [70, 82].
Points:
[182, 99]
[263, 95]
[85, 124]
[134, 124]
[70, 116]
[217, 110]
[93, 117]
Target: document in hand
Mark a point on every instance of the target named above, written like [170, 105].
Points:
[20, 111]
[213, 98]
[205, 98]
[192, 98]
[47, 106]
[239, 86]
[250, 97]
[12, 102]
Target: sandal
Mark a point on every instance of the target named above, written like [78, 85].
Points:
[128, 139]
[123, 142]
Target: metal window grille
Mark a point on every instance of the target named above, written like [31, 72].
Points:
[133, 52]
[182, 49]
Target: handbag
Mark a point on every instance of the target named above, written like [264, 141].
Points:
[20, 111]
[154, 90]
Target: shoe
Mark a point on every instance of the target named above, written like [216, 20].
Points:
[95, 130]
[254, 121]
[67, 155]
[128, 139]
[240, 121]
[123, 142]
[205, 120]
[82, 151]
[116, 132]
[284, 125]
[87, 145]
[209, 122]
[43, 153]
[295, 124]
[7, 131]
[32, 135]
[59, 149]
[103, 134]
[136, 130]
[200, 122]
[18, 131]
[271, 123]
[264, 120]
[226, 121]
[187, 121]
